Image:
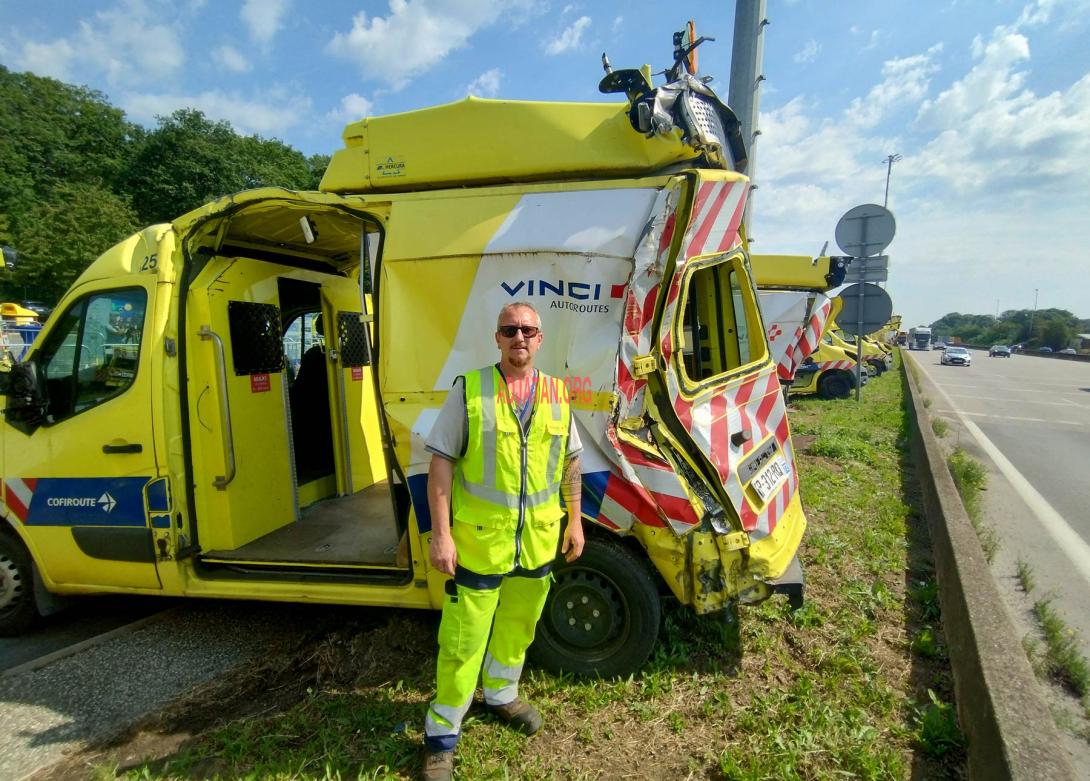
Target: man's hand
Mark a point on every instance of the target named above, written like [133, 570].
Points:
[443, 554]
[441, 551]
[573, 540]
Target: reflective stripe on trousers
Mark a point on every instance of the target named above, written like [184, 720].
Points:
[510, 612]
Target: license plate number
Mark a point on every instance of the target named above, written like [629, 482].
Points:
[771, 477]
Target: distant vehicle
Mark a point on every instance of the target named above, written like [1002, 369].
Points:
[1068, 351]
[956, 356]
[919, 337]
[1044, 349]
[41, 309]
[938, 346]
[999, 351]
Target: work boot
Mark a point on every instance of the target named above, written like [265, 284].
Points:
[438, 765]
[519, 714]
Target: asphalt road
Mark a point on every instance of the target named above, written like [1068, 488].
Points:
[1027, 419]
[81, 620]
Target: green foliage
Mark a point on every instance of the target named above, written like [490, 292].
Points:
[1026, 578]
[940, 426]
[1062, 660]
[78, 176]
[1055, 328]
[970, 479]
[938, 727]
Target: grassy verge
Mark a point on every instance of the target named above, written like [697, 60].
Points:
[855, 684]
[970, 479]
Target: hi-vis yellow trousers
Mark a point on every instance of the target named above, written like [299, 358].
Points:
[510, 609]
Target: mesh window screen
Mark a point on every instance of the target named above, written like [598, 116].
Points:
[353, 344]
[255, 337]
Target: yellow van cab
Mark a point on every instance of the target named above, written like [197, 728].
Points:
[798, 316]
[183, 427]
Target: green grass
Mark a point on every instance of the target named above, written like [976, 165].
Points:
[940, 426]
[971, 479]
[856, 684]
[1026, 579]
[1062, 661]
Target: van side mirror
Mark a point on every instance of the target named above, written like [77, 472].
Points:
[24, 386]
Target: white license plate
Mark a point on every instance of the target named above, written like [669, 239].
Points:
[769, 479]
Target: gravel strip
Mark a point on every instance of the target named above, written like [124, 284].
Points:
[47, 713]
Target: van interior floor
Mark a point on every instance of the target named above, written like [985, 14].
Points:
[359, 529]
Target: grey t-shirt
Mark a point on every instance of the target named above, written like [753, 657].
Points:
[451, 429]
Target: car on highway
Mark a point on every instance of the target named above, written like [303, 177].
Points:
[1068, 351]
[938, 346]
[999, 351]
[956, 356]
[1044, 349]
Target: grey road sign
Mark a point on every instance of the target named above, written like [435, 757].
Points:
[865, 230]
[875, 269]
[864, 314]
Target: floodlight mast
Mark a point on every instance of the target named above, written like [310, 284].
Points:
[890, 160]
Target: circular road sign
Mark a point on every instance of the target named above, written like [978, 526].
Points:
[865, 230]
[877, 307]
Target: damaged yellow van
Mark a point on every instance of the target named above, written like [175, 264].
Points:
[234, 405]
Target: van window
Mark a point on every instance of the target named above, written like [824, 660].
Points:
[94, 352]
[301, 334]
[715, 329]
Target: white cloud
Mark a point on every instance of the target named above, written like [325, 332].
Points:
[352, 107]
[125, 44]
[570, 38]
[270, 114]
[905, 83]
[263, 18]
[617, 23]
[809, 52]
[414, 36]
[231, 59]
[487, 85]
[993, 137]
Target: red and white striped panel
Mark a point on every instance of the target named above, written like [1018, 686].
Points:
[810, 339]
[18, 493]
[830, 365]
[755, 404]
[650, 258]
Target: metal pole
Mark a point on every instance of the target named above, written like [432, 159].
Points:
[890, 160]
[743, 95]
[1032, 315]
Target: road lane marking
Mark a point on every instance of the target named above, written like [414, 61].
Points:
[1067, 539]
[1009, 417]
[1020, 401]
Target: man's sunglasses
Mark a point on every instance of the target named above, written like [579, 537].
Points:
[509, 331]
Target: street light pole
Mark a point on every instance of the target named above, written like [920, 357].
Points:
[1033, 314]
[890, 160]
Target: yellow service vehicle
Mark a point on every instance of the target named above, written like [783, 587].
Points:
[159, 438]
[798, 315]
[876, 360]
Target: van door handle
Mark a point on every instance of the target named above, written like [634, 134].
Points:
[222, 481]
[133, 448]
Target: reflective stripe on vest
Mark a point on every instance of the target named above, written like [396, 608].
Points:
[492, 489]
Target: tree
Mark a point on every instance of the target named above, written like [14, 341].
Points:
[61, 236]
[190, 160]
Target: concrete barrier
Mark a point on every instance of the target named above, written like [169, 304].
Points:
[1001, 707]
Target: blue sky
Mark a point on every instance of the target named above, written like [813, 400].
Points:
[988, 102]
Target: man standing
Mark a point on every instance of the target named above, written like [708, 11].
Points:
[504, 449]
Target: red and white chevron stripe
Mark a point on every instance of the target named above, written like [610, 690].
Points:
[807, 339]
[18, 491]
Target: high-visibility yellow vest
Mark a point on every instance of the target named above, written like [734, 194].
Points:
[506, 494]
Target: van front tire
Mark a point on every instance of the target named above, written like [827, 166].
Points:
[17, 609]
[602, 614]
[835, 386]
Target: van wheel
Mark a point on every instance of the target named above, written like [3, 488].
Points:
[879, 368]
[17, 609]
[602, 614]
[835, 386]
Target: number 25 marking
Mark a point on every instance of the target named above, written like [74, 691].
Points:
[150, 263]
